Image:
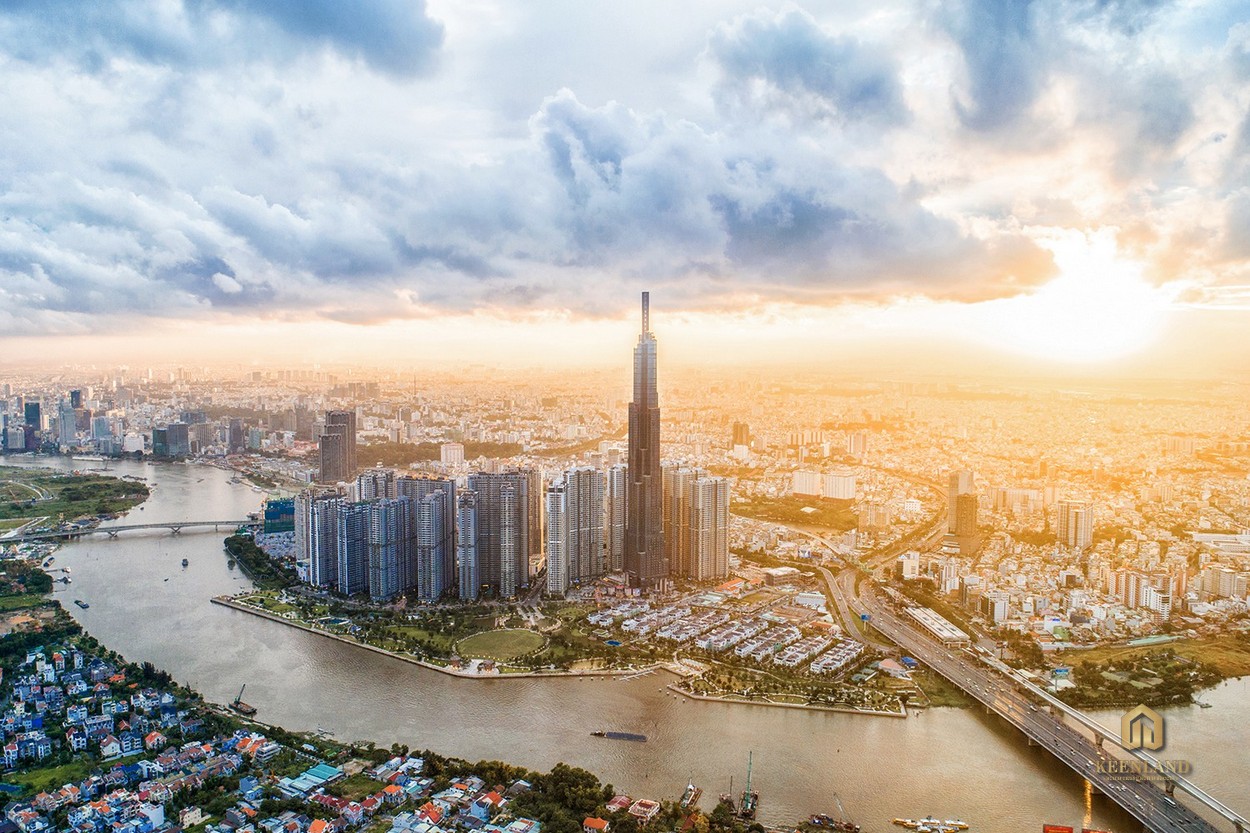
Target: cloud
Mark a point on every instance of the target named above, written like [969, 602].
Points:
[238, 158]
[396, 37]
[1002, 60]
[787, 60]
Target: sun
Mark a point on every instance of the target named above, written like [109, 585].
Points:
[1099, 307]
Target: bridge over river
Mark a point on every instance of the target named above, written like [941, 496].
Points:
[174, 527]
[1149, 793]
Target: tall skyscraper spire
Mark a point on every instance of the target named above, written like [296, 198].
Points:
[645, 559]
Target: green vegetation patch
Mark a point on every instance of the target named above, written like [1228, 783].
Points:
[501, 645]
[1229, 654]
[32, 493]
[824, 514]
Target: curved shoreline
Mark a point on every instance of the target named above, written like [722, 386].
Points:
[807, 707]
[226, 601]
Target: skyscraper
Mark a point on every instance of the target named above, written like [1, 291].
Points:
[432, 543]
[645, 559]
[332, 456]
[615, 504]
[470, 576]
[436, 559]
[696, 518]
[391, 547]
[1075, 524]
[352, 548]
[503, 530]
[575, 529]
[960, 483]
[346, 418]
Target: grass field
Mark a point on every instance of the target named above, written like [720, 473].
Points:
[11, 523]
[501, 645]
[824, 514]
[21, 601]
[27, 493]
[1229, 653]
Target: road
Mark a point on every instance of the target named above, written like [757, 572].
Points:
[1146, 800]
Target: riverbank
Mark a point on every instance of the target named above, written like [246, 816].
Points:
[517, 675]
[718, 698]
[233, 604]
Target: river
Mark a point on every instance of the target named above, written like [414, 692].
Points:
[948, 762]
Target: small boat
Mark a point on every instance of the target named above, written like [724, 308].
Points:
[239, 706]
[620, 736]
[81, 604]
[691, 797]
[185, 562]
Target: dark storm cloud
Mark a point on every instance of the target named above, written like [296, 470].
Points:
[802, 64]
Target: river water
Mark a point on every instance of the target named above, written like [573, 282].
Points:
[948, 762]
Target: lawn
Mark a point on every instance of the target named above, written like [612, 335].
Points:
[825, 514]
[21, 601]
[11, 523]
[1229, 653]
[355, 787]
[500, 645]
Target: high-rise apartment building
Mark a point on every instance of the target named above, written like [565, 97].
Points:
[352, 548]
[575, 529]
[392, 548]
[433, 542]
[503, 531]
[645, 559]
[615, 510]
[741, 435]
[451, 454]
[436, 561]
[1074, 524]
[375, 483]
[470, 574]
[696, 523]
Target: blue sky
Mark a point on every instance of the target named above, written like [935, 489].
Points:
[227, 161]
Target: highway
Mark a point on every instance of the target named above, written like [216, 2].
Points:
[1146, 800]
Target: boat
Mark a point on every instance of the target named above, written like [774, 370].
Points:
[692, 795]
[239, 706]
[841, 824]
[81, 604]
[185, 562]
[620, 736]
[750, 799]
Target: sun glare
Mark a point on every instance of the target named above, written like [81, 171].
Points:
[1100, 306]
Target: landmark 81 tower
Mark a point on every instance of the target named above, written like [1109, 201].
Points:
[645, 559]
